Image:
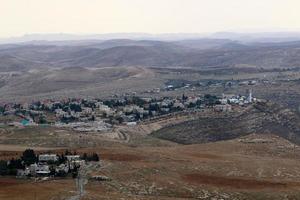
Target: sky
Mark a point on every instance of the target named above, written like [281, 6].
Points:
[19, 17]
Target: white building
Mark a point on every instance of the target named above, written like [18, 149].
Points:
[48, 157]
[74, 161]
[38, 169]
[62, 168]
[250, 98]
[73, 157]
[42, 170]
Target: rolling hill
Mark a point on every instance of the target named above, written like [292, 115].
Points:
[261, 118]
[187, 53]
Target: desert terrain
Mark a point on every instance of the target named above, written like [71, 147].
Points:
[251, 152]
[251, 167]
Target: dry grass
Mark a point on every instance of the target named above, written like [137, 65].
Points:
[227, 169]
[13, 189]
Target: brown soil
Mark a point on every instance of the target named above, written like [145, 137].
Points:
[15, 189]
[237, 183]
[121, 157]
[205, 156]
[7, 155]
[7, 182]
[233, 169]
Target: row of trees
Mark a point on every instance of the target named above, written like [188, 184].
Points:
[10, 167]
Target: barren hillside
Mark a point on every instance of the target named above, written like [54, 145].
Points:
[261, 118]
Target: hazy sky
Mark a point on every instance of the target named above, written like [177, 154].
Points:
[18, 17]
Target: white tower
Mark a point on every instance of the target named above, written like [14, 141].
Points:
[250, 99]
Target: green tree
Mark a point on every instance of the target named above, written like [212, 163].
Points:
[29, 157]
[3, 168]
[84, 157]
[42, 119]
[95, 157]
[2, 109]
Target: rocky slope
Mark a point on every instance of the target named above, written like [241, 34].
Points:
[260, 118]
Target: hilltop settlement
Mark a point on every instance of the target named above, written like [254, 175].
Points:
[96, 115]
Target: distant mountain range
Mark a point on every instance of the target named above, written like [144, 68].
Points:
[94, 66]
[62, 38]
[198, 53]
[70, 38]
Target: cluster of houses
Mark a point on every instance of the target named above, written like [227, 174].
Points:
[50, 165]
[96, 115]
[227, 101]
[192, 85]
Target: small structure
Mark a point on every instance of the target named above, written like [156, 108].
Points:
[32, 169]
[39, 170]
[250, 99]
[169, 87]
[71, 158]
[62, 168]
[74, 161]
[25, 122]
[42, 170]
[48, 157]
[131, 123]
[100, 178]
[23, 172]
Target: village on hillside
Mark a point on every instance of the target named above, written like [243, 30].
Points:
[96, 115]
